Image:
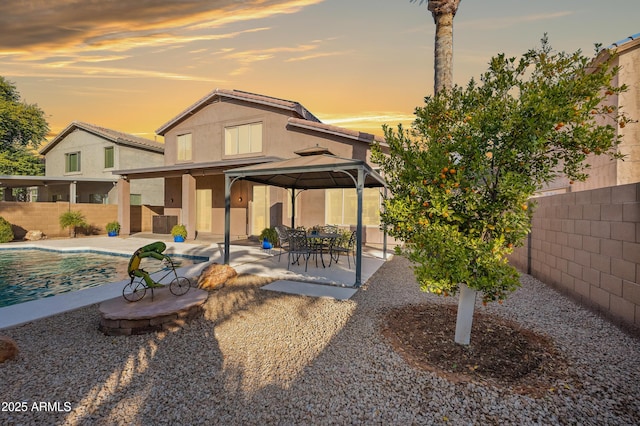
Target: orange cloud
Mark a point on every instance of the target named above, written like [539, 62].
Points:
[76, 26]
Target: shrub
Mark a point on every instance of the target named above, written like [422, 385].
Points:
[6, 232]
[72, 220]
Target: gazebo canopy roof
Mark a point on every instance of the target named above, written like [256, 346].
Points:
[310, 172]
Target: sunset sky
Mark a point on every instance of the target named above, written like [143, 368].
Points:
[133, 65]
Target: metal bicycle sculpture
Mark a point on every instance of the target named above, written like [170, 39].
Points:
[140, 279]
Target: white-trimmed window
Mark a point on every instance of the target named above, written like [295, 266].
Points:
[341, 206]
[244, 139]
[72, 162]
[135, 199]
[184, 147]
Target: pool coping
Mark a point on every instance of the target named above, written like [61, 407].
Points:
[22, 313]
[245, 259]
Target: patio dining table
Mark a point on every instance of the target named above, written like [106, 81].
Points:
[321, 240]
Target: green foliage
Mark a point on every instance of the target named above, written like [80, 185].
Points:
[179, 230]
[270, 234]
[6, 232]
[113, 226]
[21, 124]
[72, 220]
[461, 179]
[20, 161]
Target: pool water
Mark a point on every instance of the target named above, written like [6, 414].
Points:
[34, 274]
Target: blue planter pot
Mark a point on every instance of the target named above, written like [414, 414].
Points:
[178, 239]
[112, 233]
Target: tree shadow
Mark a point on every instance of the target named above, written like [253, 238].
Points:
[262, 357]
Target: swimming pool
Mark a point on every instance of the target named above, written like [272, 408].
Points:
[29, 274]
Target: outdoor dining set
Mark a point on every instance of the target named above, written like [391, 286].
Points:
[316, 241]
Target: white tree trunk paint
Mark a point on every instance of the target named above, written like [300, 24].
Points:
[466, 306]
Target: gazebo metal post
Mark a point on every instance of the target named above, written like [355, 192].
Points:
[384, 233]
[293, 208]
[227, 217]
[359, 190]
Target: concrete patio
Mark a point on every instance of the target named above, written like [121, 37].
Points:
[246, 257]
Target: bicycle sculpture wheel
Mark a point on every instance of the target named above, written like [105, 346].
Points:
[135, 290]
[179, 286]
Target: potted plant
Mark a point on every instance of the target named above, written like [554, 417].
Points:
[269, 234]
[268, 238]
[72, 220]
[113, 228]
[179, 233]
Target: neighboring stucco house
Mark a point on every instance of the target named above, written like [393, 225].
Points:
[230, 128]
[86, 151]
[603, 171]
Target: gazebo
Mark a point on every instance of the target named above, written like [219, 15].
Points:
[320, 171]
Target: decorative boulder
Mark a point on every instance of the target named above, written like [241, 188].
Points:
[34, 236]
[215, 275]
[8, 348]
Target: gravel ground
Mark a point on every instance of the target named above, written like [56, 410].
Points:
[259, 357]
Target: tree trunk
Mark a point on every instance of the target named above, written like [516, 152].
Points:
[464, 320]
[443, 52]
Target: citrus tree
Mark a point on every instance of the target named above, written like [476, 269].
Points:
[462, 177]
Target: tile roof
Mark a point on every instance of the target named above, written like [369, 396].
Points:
[624, 43]
[619, 47]
[109, 134]
[335, 130]
[211, 97]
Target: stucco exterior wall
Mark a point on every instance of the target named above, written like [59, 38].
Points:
[629, 169]
[605, 172]
[278, 139]
[91, 148]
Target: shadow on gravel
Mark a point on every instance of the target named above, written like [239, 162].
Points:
[261, 357]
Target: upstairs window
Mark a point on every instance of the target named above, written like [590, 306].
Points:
[108, 157]
[72, 162]
[184, 147]
[244, 139]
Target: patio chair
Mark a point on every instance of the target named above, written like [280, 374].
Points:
[283, 238]
[330, 229]
[345, 245]
[298, 246]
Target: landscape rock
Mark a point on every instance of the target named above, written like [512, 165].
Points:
[215, 276]
[34, 236]
[8, 348]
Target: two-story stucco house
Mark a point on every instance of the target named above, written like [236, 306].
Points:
[91, 153]
[229, 129]
[603, 171]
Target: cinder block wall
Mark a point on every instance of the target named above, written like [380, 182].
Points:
[587, 244]
[45, 217]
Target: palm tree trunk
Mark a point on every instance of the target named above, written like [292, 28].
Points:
[443, 12]
[443, 52]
